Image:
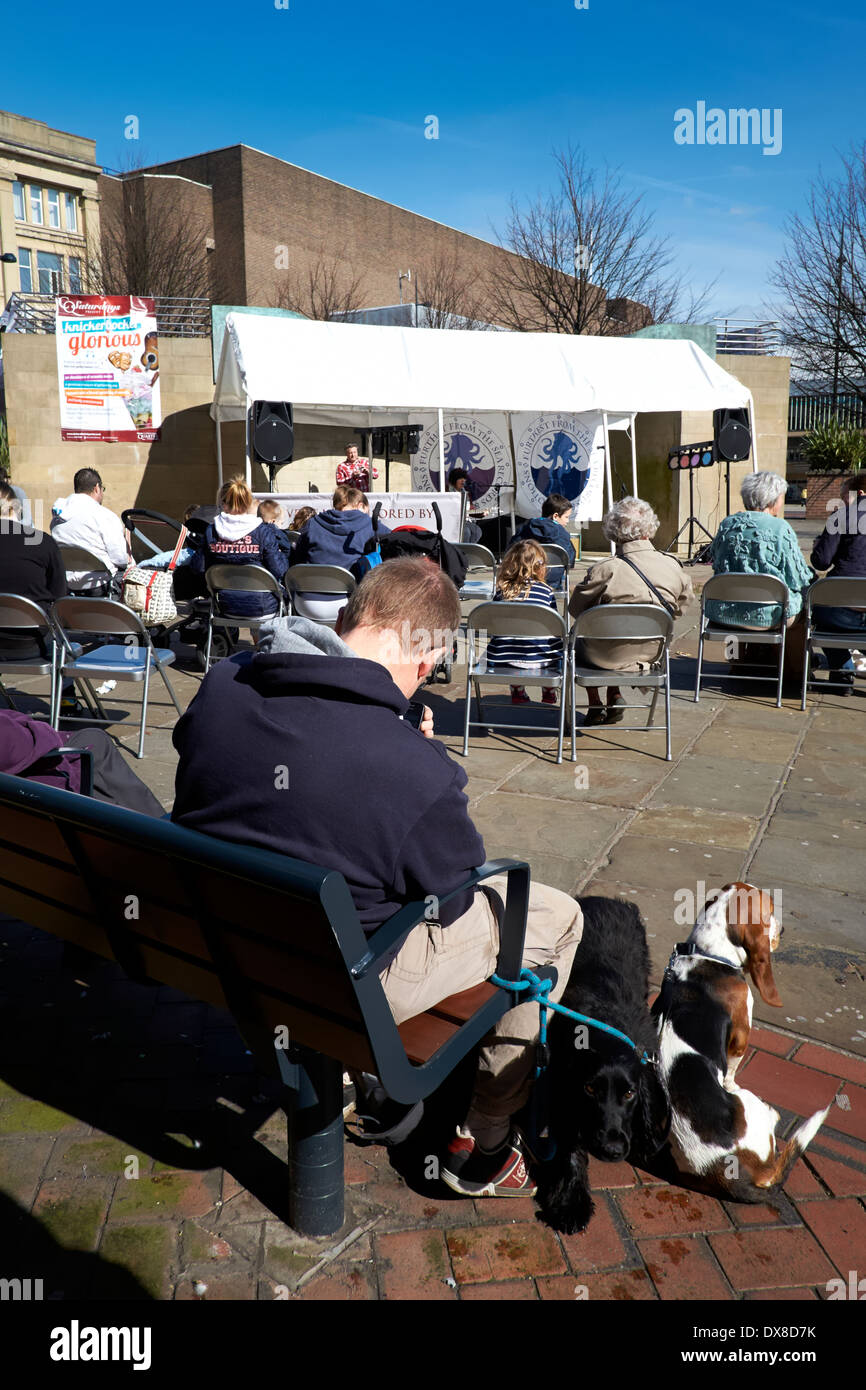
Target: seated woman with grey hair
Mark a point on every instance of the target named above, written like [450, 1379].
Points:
[632, 575]
[760, 541]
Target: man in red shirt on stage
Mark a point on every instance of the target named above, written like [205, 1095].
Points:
[354, 471]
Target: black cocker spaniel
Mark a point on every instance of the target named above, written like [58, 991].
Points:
[601, 1099]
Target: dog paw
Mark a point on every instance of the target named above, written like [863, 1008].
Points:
[571, 1218]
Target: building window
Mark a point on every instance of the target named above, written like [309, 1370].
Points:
[25, 270]
[18, 200]
[53, 199]
[50, 272]
[75, 275]
[71, 212]
[36, 205]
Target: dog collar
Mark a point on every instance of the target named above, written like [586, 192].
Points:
[689, 948]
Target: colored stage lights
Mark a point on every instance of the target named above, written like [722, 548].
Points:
[692, 456]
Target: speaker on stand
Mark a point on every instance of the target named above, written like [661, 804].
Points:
[272, 435]
[732, 441]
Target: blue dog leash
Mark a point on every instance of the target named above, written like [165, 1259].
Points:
[536, 991]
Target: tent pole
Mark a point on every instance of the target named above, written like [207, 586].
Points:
[633, 433]
[219, 447]
[441, 449]
[607, 472]
[248, 468]
[513, 490]
[754, 434]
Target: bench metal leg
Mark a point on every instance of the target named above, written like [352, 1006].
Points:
[315, 1115]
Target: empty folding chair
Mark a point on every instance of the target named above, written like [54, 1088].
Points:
[225, 580]
[619, 623]
[832, 593]
[513, 620]
[131, 660]
[24, 615]
[751, 589]
[480, 581]
[310, 589]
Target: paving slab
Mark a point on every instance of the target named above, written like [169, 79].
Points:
[598, 780]
[820, 777]
[721, 784]
[526, 826]
[841, 868]
[643, 861]
[740, 741]
[697, 827]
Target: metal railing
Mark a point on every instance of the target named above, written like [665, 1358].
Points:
[748, 337]
[176, 317]
[807, 412]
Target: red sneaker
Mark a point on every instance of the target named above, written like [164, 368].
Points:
[519, 696]
[475, 1174]
[548, 695]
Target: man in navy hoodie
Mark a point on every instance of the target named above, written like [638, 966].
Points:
[549, 529]
[374, 798]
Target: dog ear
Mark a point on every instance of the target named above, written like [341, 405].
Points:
[652, 1117]
[760, 967]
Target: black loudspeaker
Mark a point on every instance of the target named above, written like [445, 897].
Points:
[732, 435]
[272, 431]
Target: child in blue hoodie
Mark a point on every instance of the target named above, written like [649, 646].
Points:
[239, 537]
[549, 529]
[339, 535]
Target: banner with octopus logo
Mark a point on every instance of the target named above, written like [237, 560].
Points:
[561, 453]
[477, 444]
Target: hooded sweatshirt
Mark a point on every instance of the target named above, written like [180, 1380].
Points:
[80, 520]
[242, 540]
[335, 538]
[292, 750]
[546, 531]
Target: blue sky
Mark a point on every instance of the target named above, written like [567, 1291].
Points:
[344, 88]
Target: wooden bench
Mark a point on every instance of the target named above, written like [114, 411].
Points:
[275, 941]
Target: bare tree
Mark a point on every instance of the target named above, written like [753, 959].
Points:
[325, 286]
[150, 245]
[585, 260]
[450, 294]
[822, 280]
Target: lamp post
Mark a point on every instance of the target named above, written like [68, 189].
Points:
[7, 258]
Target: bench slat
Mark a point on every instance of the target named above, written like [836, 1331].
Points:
[422, 1036]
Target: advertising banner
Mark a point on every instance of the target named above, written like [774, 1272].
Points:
[476, 443]
[108, 368]
[398, 508]
[561, 453]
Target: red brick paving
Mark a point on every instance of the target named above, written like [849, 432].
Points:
[415, 1265]
[842, 1180]
[823, 1059]
[661, 1211]
[851, 1121]
[517, 1290]
[681, 1267]
[772, 1259]
[599, 1246]
[776, 1043]
[840, 1226]
[484, 1253]
[784, 1083]
[622, 1286]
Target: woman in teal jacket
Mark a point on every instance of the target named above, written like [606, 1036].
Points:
[760, 541]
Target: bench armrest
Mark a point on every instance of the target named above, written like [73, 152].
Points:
[512, 928]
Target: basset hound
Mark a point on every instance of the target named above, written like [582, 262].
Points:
[720, 1134]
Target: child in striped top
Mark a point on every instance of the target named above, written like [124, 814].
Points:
[521, 580]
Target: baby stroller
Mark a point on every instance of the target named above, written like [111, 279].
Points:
[151, 533]
[430, 545]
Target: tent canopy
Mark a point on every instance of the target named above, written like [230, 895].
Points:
[338, 373]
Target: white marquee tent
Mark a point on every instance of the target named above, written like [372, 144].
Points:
[365, 375]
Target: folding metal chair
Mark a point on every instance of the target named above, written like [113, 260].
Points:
[293, 535]
[24, 615]
[558, 555]
[129, 661]
[305, 580]
[752, 589]
[478, 559]
[223, 580]
[78, 560]
[832, 593]
[626, 622]
[514, 620]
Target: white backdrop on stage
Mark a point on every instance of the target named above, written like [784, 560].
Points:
[559, 452]
[477, 443]
[398, 508]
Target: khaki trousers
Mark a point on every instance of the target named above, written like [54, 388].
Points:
[435, 962]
